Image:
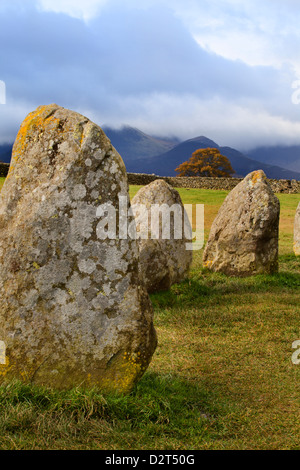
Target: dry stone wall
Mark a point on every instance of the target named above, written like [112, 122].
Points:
[278, 186]
[4, 167]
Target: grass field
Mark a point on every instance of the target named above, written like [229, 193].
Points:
[1, 182]
[221, 378]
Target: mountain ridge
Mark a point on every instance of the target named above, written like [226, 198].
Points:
[278, 154]
[165, 164]
[143, 153]
[5, 153]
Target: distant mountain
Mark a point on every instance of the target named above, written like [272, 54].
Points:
[5, 152]
[165, 164]
[244, 165]
[288, 156]
[132, 144]
[143, 153]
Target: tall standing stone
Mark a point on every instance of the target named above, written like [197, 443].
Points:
[164, 258]
[297, 232]
[244, 236]
[72, 308]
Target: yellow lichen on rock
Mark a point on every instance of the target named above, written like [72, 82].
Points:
[34, 120]
[123, 372]
[4, 368]
[256, 176]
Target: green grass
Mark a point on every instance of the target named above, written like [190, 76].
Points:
[1, 182]
[221, 377]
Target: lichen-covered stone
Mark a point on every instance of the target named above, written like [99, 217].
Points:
[163, 262]
[72, 308]
[244, 236]
[297, 232]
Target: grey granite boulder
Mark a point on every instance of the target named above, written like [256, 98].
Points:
[297, 232]
[243, 238]
[73, 310]
[164, 258]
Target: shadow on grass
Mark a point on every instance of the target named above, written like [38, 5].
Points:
[154, 394]
[159, 404]
[204, 286]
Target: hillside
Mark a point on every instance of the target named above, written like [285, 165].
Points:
[5, 152]
[165, 164]
[244, 165]
[289, 156]
[133, 144]
[143, 153]
[138, 152]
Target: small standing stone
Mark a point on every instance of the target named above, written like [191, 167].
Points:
[244, 236]
[163, 261]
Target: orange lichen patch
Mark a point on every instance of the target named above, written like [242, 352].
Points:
[33, 121]
[33, 127]
[256, 176]
[207, 264]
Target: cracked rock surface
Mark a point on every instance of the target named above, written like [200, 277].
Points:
[73, 309]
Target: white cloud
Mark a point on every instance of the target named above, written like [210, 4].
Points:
[186, 116]
[11, 117]
[132, 64]
[81, 9]
[258, 32]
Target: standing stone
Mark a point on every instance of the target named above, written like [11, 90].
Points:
[72, 308]
[164, 260]
[297, 232]
[244, 236]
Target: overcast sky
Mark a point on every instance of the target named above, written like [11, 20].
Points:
[220, 68]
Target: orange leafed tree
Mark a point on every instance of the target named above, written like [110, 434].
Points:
[206, 162]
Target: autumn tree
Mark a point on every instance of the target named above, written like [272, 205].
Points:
[206, 162]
